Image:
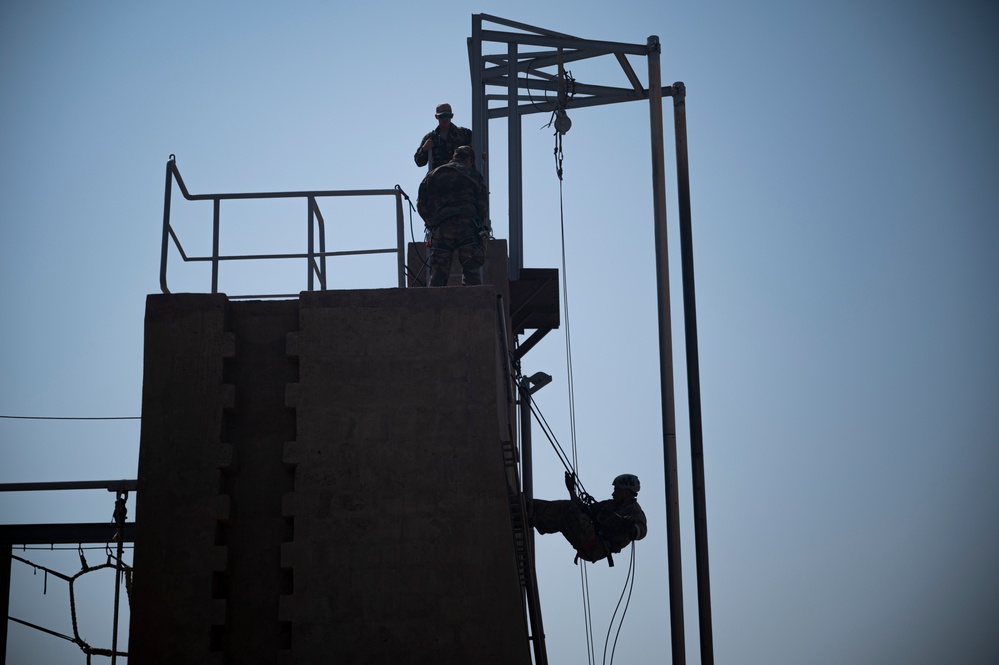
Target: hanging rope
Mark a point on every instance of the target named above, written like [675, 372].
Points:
[629, 584]
[561, 126]
[416, 277]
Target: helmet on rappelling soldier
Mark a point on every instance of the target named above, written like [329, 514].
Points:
[463, 153]
[627, 481]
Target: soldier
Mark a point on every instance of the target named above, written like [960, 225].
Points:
[594, 530]
[437, 146]
[454, 205]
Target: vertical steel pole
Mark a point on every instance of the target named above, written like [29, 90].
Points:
[666, 356]
[322, 249]
[215, 247]
[515, 167]
[400, 236]
[120, 512]
[311, 263]
[166, 225]
[526, 453]
[693, 375]
[5, 559]
[480, 108]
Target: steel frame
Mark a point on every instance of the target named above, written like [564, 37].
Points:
[516, 72]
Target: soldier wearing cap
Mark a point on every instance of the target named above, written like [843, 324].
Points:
[595, 530]
[438, 146]
[454, 205]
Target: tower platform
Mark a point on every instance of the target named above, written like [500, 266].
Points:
[329, 479]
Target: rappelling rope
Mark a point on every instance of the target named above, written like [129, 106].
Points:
[629, 584]
[583, 576]
[417, 277]
[629, 581]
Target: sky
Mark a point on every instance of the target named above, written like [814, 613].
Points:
[843, 167]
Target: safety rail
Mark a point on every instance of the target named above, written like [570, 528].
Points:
[316, 259]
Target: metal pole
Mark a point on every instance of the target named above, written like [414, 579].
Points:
[322, 249]
[400, 236]
[693, 375]
[166, 225]
[480, 114]
[515, 167]
[120, 512]
[666, 356]
[527, 481]
[310, 264]
[526, 454]
[109, 485]
[215, 246]
[5, 560]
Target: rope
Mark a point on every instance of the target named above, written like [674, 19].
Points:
[417, 277]
[629, 584]
[583, 573]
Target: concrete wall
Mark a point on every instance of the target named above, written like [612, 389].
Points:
[323, 480]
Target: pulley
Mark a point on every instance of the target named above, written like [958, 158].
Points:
[562, 122]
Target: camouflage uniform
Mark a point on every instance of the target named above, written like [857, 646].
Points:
[613, 525]
[454, 204]
[443, 146]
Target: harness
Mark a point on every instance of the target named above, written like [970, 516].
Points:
[440, 244]
[588, 503]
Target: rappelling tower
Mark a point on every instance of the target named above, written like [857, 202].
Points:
[340, 475]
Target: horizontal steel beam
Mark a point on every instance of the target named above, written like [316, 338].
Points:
[577, 102]
[64, 534]
[564, 42]
[109, 485]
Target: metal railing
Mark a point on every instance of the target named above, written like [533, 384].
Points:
[316, 259]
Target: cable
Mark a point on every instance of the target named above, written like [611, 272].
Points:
[44, 630]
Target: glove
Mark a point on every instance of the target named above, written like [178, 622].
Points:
[486, 232]
[570, 482]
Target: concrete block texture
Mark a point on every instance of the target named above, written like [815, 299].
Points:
[177, 557]
[322, 480]
[403, 541]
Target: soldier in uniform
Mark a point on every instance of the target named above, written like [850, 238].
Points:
[454, 205]
[598, 529]
[437, 146]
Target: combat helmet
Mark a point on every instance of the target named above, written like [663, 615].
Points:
[628, 481]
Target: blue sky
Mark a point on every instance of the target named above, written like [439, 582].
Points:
[843, 164]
